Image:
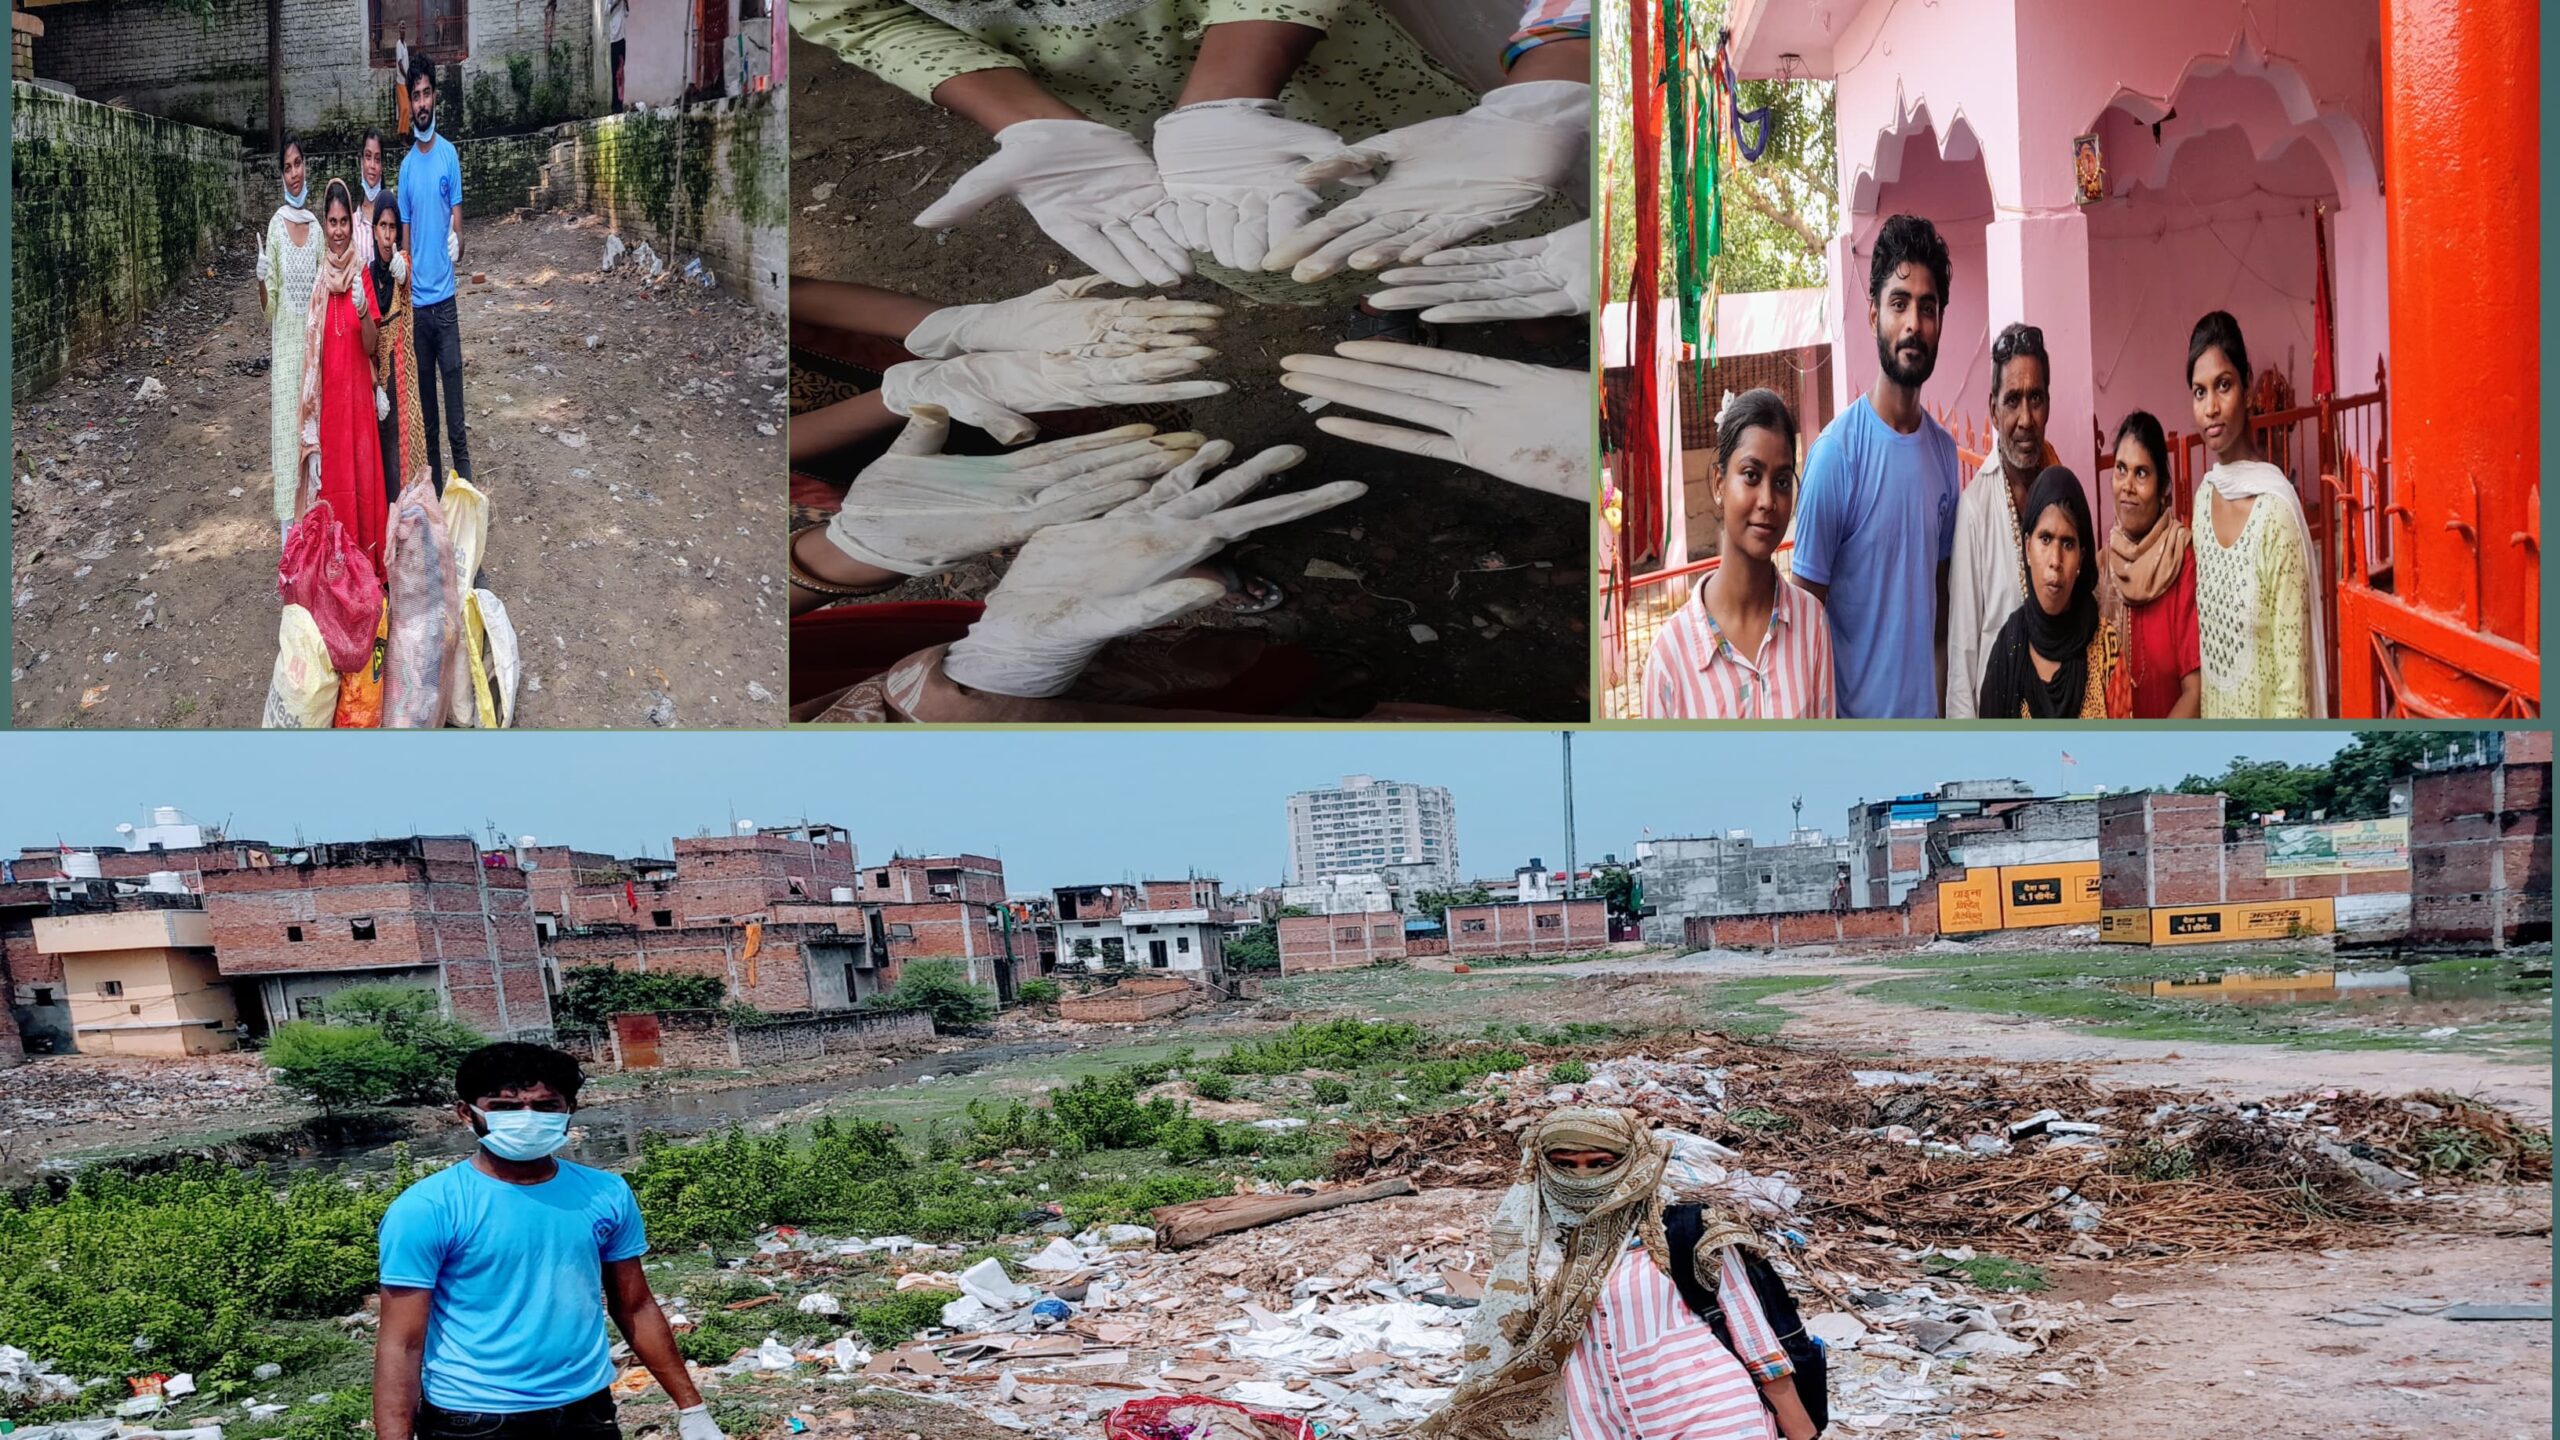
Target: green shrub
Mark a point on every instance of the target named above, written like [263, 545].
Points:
[1331, 1045]
[346, 1412]
[1103, 1112]
[589, 994]
[412, 1017]
[1038, 992]
[1128, 1201]
[989, 1129]
[1330, 1092]
[1443, 1077]
[941, 988]
[1213, 1085]
[1568, 1072]
[895, 1318]
[348, 1067]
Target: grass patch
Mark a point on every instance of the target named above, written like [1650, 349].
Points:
[1991, 1272]
[1741, 1007]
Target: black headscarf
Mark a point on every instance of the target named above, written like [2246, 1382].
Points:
[382, 286]
[2010, 685]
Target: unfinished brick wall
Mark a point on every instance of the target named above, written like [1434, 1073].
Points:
[2480, 854]
[777, 979]
[806, 1037]
[1538, 927]
[2160, 849]
[1339, 942]
[1911, 923]
[948, 928]
[1124, 1005]
[743, 875]
[1197, 894]
[426, 910]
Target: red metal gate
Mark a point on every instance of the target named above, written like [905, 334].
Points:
[635, 1039]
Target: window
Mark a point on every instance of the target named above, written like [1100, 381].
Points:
[361, 927]
[306, 1007]
[293, 934]
[663, 919]
[1550, 922]
[1084, 950]
[1346, 932]
[1182, 944]
[111, 987]
[44, 995]
[902, 932]
[1471, 927]
[1383, 933]
[797, 886]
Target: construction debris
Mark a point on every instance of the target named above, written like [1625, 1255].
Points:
[1181, 1226]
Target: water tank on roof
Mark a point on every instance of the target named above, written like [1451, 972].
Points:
[165, 882]
[167, 815]
[841, 895]
[81, 865]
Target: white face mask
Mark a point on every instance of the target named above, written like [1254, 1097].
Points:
[296, 198]
[522, 1134]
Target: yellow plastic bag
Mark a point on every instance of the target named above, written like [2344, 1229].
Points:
[466, 528]
[302, 693]
[506, 665]
[360, 689]
[475, 645]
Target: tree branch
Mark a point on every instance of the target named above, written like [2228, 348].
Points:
[1803, 229]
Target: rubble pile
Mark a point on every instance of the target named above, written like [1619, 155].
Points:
[76, 1089]
[2033, 1158]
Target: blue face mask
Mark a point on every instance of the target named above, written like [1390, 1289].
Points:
[295, 198]
[426, 131]
[522, 1134]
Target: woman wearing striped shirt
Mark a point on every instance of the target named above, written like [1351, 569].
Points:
[1582, 1334]
[1748, 645]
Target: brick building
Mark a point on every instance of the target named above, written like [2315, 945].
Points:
[2480, 845]
[1889, 839]
[1539, 927]
[426, 910]
[1339, 942]
[1728, 874]
[734, 877]
[973, 879]
[2157, 849]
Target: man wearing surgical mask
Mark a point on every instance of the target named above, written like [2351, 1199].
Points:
[498, 1273]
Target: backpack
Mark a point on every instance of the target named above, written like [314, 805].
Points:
[1682, 1226]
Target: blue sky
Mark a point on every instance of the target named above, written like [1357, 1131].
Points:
[1059, 807]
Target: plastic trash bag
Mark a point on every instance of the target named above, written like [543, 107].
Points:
[360, 689]
[302, 694]
[466, 528]
[426, 637]
[326, 573]
[506, 663]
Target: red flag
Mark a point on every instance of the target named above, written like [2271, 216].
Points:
[630, 895]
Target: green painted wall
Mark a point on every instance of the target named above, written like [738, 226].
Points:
[111, 210]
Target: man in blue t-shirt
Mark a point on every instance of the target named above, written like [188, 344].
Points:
[430, 194]
[1876, 525]
[498, 1273]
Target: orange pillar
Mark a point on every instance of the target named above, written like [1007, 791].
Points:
[2461, 119]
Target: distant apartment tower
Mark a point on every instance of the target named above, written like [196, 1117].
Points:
[1367, 826]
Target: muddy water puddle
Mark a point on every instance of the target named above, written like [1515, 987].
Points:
[2355, 987]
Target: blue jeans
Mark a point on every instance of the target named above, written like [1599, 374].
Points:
[440, 359]
[588, 1419]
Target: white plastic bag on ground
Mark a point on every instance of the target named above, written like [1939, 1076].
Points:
[505, 660]
[426, 610]
[819, 1302]
[302, 694]
[1059, 1255]
[987, 1282]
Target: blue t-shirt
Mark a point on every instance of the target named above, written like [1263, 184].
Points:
[518, 1318]
[1877, 520]
[430, 186]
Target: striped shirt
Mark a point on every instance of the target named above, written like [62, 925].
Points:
[1649, 1369]
[1696, 673]
[1547, 20]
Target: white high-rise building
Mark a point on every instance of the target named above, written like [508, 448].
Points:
[1368, 826]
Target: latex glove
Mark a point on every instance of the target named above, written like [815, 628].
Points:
[1076, 588]
[452, 246]
[695, 1423]
[1528, 424]
[381, 403]
[995, 390]
[311, 431]
[266, 266]
[1547, 275]
[1445, 180]
[1057, 319]
[399, 267]
[1231, 169]
[917, 511]
[1089, 187]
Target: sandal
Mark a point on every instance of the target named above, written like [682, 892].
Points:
[1249, 592]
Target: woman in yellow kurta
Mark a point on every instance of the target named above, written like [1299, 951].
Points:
[2257, 608]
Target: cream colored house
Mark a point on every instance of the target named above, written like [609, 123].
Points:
[141, 982]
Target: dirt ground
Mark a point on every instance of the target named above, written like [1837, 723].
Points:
[634, 533]
[1497, 574]
[54, 1105]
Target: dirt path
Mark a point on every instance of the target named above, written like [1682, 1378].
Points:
[1495, 575]
[638, 559]
[2242, 1348]
[1840, 1017]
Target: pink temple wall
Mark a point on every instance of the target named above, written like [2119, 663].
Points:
[2280, 94]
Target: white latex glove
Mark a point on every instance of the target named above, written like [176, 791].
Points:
[917, 511]
[452, 246]
[266, 266]
[1076, 588]
[1546, 275]
[1089, 187]
[381, 403]
[311, 431]
[1231, 169]
[399, 266]
[1000, 390]
[1528, 424]
[695, 1423]
[1058, 320]
[1445, 180]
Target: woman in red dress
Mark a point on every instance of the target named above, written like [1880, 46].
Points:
[2149, 584]
[341, 446]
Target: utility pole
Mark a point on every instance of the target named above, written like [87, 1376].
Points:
[489, 932]
[1569, 870]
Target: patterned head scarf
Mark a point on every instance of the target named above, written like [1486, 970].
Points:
[1531, 1317]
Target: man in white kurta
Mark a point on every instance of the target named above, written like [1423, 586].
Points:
[1986, 579]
